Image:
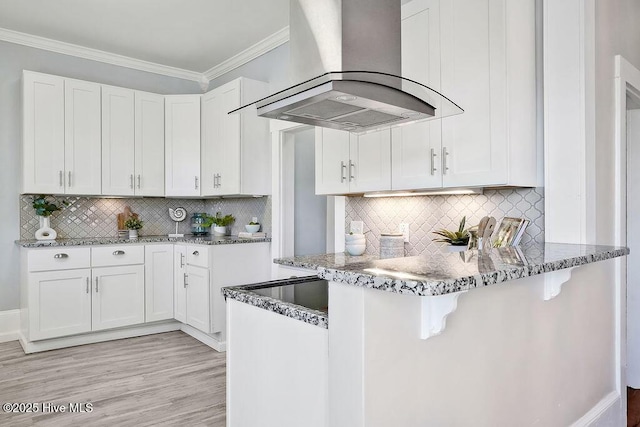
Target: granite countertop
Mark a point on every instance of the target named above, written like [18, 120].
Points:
[448, 272]
[198, 240]
[248, 295]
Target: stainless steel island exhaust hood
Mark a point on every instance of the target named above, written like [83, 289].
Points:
[345, 56]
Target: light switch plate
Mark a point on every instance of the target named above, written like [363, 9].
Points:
[403, 228]
[356, 227]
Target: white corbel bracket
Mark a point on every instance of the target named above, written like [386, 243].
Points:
[553, 282]
[435, 310]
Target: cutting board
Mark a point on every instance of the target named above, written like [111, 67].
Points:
[122, 217]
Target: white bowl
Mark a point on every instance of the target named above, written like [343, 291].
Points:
[355, 249]
[252, 228]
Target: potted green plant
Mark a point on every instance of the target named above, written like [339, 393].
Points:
[133, 224]
[458, 238]
[44, 209]
[222, 224]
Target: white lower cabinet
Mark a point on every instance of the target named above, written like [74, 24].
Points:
[158, 279]
[118, 297]
[197, 289]
[59, 303]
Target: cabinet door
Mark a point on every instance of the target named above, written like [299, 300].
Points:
[158, 277]
[221, 140]
[416, 148]
[182, 145]
[59, 303]
[82, 137]
[474, 150]
[198, 298]
[118, 297]
[179, 283]
[332, 161]
[117, 141]
[43, 133]
[149, 144]
[370, 162]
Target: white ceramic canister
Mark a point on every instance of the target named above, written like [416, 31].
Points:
[391, 245]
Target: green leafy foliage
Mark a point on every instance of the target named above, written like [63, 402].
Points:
[133, 223]
[45, 207]
[221, 221]
[459, 237]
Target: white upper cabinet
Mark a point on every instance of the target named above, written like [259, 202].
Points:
[488, 68]
[61, 135]
[149, 144]
[182, 145]
[235, 147]
[416, 147]
[350, 163]
[43, 134]
[118, 165]
[132, 142]
[82, 137]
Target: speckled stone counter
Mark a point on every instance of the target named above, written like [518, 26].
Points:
[206, 240]
[247, 294]
[447, 272]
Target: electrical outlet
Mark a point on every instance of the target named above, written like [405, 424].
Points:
[403, 228]
[356, 227]
[254, 219]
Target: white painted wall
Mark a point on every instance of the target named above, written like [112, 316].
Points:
[15, 58]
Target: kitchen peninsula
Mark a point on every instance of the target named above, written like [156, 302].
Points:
[510, 336]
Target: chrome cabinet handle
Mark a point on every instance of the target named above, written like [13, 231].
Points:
[87, 284]
[181, 260]
[96, 284]
[139, 181]
[69, 178]
[131, 181]
[352, 168]
[445, 153]
[185, 279]
[343, 168]
[219, 180]
[118, 252]
[214, 181]
[433, 161]
[196, 253]
[196, 180]
[61, 175]
[60, 256]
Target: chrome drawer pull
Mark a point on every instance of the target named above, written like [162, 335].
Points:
[185, 279]
[96, 284]
[60, 256]
[118, 252]
[196, 253]
[88, 284]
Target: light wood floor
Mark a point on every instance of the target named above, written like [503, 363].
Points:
[158, 380]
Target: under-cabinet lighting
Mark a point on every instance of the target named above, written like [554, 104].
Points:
[453, 191]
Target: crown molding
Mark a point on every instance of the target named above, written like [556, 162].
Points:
[97, 55]
[274, 40]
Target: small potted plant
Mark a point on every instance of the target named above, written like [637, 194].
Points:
[133, 224]
[44, 208]
[222, 224]
[458, 240]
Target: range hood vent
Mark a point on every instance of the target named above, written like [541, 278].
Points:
[350, 35]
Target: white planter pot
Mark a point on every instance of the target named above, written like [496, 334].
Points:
[133, 234]
[45, 232]
[220, 231]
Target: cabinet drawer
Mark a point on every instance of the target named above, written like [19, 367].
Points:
[60, 258]
[198, 255]
[117, 255]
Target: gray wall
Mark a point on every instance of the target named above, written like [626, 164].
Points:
[310, 211]
[14, 59]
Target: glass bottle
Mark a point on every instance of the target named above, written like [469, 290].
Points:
[197, 224]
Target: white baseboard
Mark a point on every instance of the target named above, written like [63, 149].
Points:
[205, 338]
[606, 413]
[96, 337]
[9, 325]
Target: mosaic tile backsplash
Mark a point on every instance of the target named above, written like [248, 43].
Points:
[96, 217]
[427, 213]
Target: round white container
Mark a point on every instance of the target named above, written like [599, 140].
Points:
[391, 245]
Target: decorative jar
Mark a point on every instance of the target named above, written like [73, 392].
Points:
[198, 220]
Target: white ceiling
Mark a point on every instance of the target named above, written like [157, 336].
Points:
[194, 35]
